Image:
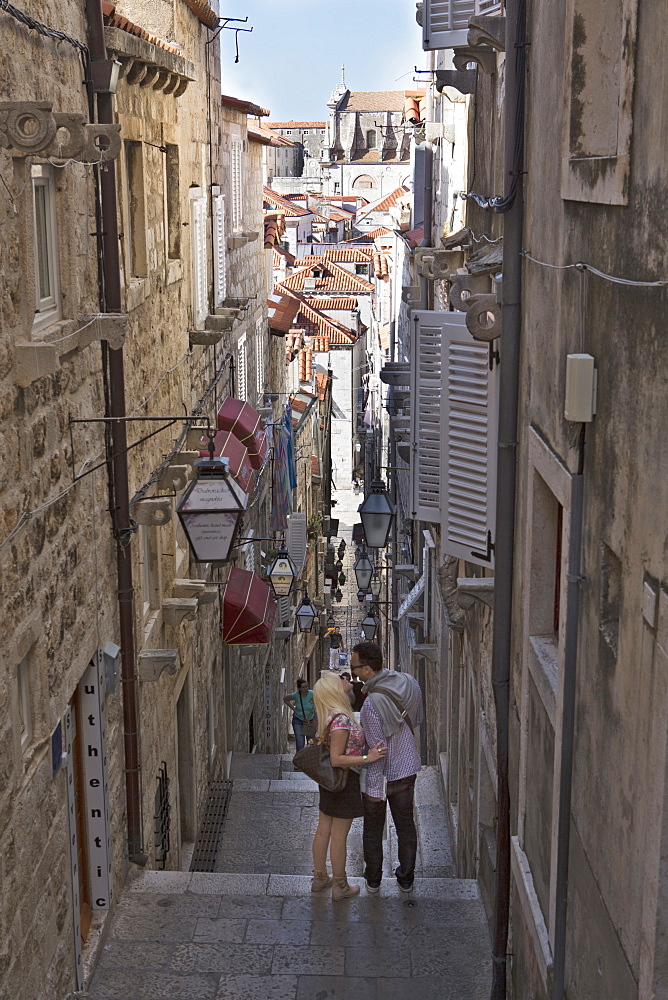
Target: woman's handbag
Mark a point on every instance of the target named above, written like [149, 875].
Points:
[309, 726]
[314, 761]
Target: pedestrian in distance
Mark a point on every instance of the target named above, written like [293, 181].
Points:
[337, 810]
[391, 710]
[336, 647]
[354, 690]
[303, 709]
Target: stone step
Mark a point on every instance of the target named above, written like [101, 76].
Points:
[226, 884]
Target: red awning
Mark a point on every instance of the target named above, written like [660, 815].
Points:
[246, 424]
[248, 610]
[227, 445]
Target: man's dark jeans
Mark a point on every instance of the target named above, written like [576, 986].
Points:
[400, 797]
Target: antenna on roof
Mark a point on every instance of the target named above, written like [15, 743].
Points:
[343, 75]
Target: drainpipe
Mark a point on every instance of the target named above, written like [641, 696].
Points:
[394, 585]
[506, 490]
[427, 150]
[111, 302]
[568, 724]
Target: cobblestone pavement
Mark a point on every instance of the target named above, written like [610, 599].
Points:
[254, 931]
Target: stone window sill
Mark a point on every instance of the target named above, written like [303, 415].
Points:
[544, 667]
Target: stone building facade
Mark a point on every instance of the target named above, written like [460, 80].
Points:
[587, 682]
[192, 329]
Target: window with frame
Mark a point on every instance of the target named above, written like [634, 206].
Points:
[220, 249]
[136, 262]
[371, 139]
[150, 569]
[237, 180]
[47, 279]
[173, 201]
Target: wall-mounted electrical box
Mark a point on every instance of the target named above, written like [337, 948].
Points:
[580, 402]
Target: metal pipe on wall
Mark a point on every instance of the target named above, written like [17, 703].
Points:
[111, 302]
[506, 483]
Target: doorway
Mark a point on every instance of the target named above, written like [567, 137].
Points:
[186, 775]
[82, 869]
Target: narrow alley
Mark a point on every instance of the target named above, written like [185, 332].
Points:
[253, 930]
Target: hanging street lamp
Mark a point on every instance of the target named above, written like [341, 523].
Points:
[338, 594]
[306, 614]
[369, 626]
[363, 571]
[282, 574]
[210, 510]
[375, 585]
[377, 514]
[361, 594]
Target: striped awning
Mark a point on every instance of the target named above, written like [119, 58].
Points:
[248, 610]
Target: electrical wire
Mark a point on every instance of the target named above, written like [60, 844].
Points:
[48, 32]
[582, 266]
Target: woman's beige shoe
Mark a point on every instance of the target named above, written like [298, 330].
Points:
[321, 880]
[341, 889]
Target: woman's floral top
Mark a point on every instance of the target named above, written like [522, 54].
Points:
[356, 741]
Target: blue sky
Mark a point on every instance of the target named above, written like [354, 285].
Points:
[292, 60]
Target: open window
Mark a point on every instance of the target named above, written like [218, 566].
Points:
[47, 279]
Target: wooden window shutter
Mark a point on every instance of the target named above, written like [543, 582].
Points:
[199, 259]
[454, 421]
[236, 184]
[426, 380]
[445, 23]
[469, 442]
[219, 263]
[296, 538]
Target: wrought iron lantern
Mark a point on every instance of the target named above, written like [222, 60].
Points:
[363, 571]
[361, 594]
[377, 514]
[375, 585]
[210, 510]
[282, 574]
[307, 614]
[338, 594]
[369, 627]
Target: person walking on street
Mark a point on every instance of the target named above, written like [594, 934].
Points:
[391, 710]
[303, 709]
[336, 647]
[337, 726]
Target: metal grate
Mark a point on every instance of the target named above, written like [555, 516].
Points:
[210, 833]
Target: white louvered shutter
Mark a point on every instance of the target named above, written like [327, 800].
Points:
[242, 368]
[284, 605]
[259, 359]
[296, 539]
[445, 23]
[199, 268]
[236, 152]
[426, 387]
[219, 262]
[470, 434]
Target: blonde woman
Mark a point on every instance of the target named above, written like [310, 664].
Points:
[347, 749]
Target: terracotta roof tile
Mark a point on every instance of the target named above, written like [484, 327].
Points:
[203, 12]
[283, 310]
[313, 323]
[114, 20]
[334, 279]
[384, 203]
[414, 237]
[340, 254]
[278, 252]
[274, 200]
[239, 104]
[374, 100]
[297, 124]
[321, 381]
[339, 303]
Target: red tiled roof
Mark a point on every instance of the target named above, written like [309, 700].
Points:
[414, 108]
[335, 279]
[337, 252]
[297, 124]
[202, 11]
[414, 237]
[374, 100]
[340, 303]
[321, 381]
[114, 20]
[315, 465]
[237, 104]
[278, 252]
[283, 310]
[312, 322]
[385, 203]
[380, 266]
[384, 337]
[274, 200]
[274, 227]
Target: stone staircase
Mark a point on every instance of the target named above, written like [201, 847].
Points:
[253, 930]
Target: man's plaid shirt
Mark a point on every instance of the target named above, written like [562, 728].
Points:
[403, 756]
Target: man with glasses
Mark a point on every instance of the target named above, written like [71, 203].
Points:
[391, 710]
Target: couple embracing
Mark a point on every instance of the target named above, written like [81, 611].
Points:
[385, 749]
